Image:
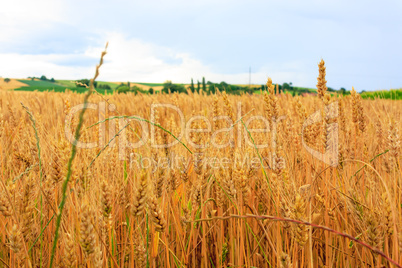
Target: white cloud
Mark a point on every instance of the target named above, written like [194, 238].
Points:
[156, 40]
[20, 18]
[21, 66]
[135, 60]
[131, 60]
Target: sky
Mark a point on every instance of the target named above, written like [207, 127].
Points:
[155, 41]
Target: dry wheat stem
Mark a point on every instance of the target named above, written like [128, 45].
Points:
[264, 217]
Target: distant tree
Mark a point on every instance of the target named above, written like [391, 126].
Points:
[122, 85]
[249, 90]
[198, 86]
[342, 91]
[128, 84]
[123, 89]
[169, 86]
[43, 78]
[223, 86]
[104, 86]
[192, 85]
[211, 87]
[52, 80]
[83, 82]
[7, 80]
[204, 87]
[151, 90]
[136, 90]
[285, 86]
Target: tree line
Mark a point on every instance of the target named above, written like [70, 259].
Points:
[204, 86]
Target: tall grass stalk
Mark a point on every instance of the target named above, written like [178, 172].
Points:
[70, 161]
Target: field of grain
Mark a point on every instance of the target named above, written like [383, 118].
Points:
[313, 191]
[393, 94]
[39, 85]
[146, 86]
[12, 84]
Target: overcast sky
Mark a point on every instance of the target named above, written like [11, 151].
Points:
[154, 41]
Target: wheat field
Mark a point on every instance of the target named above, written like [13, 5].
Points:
[217, 198]
[12, 84]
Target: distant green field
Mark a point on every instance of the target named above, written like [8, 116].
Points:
[151, 84]
[66, 83]
[306, 89]
[71, 84]
[60, 89]
[111, 84]
[59, 86]
[394, 94]
[40, 85]
[296, 90]
[62, 85]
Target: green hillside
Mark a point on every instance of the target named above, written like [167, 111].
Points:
[58, 86]
[66, 83]
[394, 94]
[150, 84]
[62, 85]
[40, 86]
[294, 90]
